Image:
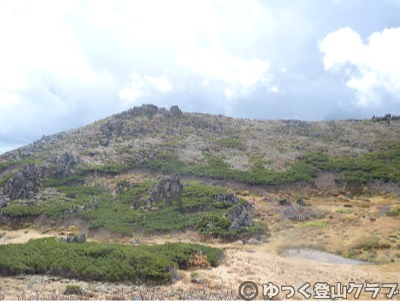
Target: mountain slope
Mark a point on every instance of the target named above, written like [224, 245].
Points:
[250, 151]
[150, 171]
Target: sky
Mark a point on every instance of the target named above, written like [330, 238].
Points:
[65, 64]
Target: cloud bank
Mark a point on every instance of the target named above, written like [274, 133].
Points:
[371, 68]
[66, 64]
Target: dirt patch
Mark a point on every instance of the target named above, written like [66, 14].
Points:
[22, 236]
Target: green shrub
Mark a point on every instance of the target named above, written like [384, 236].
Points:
[73, 289]
[101, 261]
[344, 210]
[315, 224]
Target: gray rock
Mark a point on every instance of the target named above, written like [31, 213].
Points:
[65, 164]
[95, 203]
[105, 142]
[262, 238]
[25, 183]
[253, 241]
[135, 241]
[166, 188]
[227, 198]
[238, 243]
[240, 217]
[301, 202]
[122, 186]
[175, 111]
[285, 202]
[81, 238]
[70, 238]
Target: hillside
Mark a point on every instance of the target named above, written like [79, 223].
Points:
[150, 175]
[248, 151]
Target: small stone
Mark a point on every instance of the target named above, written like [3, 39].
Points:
[135, 241]
[253, 241]
[238, 243]
[81, 238]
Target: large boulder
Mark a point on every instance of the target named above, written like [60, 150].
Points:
[167, 188]
[240, 217]
[175, 111]
[65, 162]
[24, 184]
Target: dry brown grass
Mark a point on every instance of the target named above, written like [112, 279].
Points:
[261, 263]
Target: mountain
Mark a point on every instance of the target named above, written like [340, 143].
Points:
[155, 173]
[256, 152]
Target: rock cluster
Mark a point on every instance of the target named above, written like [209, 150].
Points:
[94, 204]
[65, 162]
[301, 213]
[175, 111]
[25, 183]
[240, 217]
[122, 186]
[227, 198]
[387, 117]
[166, 188]
[80, 238]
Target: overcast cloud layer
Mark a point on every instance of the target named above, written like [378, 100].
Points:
[66, 64]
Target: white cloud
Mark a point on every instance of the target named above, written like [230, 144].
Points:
[238, 75]
[141, 86]
[370, 68]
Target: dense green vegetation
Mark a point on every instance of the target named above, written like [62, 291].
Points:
[217, 168]
[101, 261]
[381, 165]
[217, 225]
[120, 213]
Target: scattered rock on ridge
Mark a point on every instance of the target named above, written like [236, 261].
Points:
[175, 111]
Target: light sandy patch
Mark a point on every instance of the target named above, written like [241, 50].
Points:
[22, 236]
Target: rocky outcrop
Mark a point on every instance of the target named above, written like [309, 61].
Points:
[240, 217]
[387, 117]
[111, 128]
[167, 188]
[301, 213]
[73, 209]
[301, 202]
[284, 202]
[72, 238]
[64, 163]
[175, 111]
[135, 241]
[25, 183]
[227, 198]
[122, 186]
